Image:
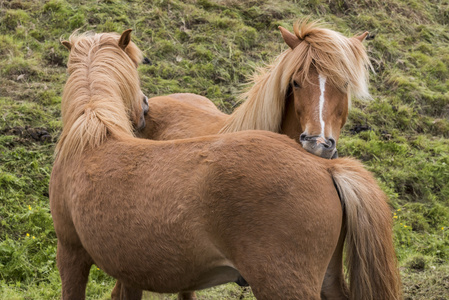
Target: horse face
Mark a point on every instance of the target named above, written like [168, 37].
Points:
[321, 109]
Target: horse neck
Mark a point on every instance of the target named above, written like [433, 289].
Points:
[263, 107]
[290, 124]
[88, 123]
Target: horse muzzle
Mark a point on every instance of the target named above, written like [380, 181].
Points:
[146, 105]
[145, 108]
[319, 146]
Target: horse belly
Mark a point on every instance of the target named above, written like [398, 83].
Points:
[179, 274]
[155, 257]
[196, 279]
[213, 277]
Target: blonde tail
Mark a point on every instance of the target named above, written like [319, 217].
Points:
[370, 256]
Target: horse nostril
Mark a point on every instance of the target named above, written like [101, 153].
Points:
[302, 137]
[330, 143]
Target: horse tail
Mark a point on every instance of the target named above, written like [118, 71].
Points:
[370, 255]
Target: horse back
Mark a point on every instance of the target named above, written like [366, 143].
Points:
[181, 116]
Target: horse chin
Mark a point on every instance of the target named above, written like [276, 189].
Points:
[335, 155]
[319, 150]
[328, 154]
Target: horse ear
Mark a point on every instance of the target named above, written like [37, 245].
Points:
[362, 37]
[67, 45]
[289, 38]
[125, 38]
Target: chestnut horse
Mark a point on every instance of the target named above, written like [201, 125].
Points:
[173, 216]
[304, 94]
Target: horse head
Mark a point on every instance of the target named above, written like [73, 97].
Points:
[328, 68]
[102, 96]
[135, 55]
[126, 60]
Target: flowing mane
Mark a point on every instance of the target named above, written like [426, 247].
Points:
[342, 60]
[101, 92]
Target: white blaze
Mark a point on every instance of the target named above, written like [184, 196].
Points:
[322, 86]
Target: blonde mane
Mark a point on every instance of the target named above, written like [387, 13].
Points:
[101, 93]
[342, 60]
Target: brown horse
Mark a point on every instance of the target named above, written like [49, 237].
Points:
[305, 94]
[172, 216]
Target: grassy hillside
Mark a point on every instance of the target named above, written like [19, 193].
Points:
[210, 47]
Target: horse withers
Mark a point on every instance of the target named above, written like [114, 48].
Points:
[243, 204]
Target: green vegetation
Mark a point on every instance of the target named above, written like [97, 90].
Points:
[210, 47]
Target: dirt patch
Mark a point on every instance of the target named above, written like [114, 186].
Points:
[356, 129]
[28, 134]
[430, 284]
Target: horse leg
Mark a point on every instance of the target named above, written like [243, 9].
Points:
[74, 265]
[123, 292]
[279, 285]
[291, 265]
[273, 274]
[334, 285]
[129, 293]
[187, 296]
[116, 292]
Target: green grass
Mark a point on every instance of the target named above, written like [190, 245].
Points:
[210, 47]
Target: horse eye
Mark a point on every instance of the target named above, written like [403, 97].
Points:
[296, 84]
